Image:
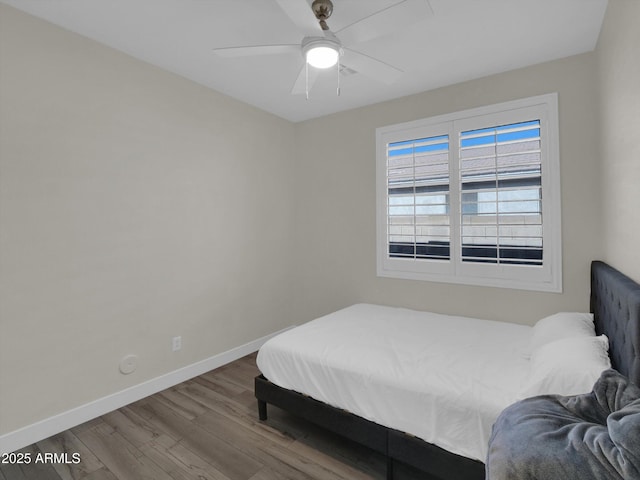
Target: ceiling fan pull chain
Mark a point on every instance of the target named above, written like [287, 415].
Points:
[338, 70]
[306, 79]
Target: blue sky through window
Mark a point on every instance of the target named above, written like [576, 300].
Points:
[506, 133]
[420, 145]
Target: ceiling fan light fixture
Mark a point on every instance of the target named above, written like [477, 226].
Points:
[321, 53]
[322, 57]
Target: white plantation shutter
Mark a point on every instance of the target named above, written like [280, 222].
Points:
[501, 194]
[418, 198]
[473, 197]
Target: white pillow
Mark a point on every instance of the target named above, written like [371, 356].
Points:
[561, 325]
[567, 367]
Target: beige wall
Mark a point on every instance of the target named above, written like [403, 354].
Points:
[335, 199]
[135, 206]
[618, 56]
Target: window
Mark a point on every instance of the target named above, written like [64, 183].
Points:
[473, 197]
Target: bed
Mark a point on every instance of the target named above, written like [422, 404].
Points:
[381, 424]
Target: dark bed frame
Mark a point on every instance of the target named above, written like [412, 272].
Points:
[615, 303]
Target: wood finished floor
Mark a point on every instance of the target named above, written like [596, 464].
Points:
[204, 429]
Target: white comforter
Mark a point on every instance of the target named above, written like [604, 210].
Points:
[442, 378]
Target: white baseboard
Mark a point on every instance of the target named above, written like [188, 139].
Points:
[35, 432]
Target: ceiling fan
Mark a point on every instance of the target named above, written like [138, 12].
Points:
[321, 48]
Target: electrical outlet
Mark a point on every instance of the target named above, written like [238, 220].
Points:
[176, 343]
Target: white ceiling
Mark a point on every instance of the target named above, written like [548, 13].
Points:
[453, 41]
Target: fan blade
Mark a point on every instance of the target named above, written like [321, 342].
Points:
[300, 12]
[250, 50]
[302, 83]
[370, 67]
[383, 22]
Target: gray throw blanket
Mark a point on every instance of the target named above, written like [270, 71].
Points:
[595, 436]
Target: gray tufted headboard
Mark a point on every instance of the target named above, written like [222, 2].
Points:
[615, 303]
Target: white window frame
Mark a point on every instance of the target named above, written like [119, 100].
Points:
[547, 277]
